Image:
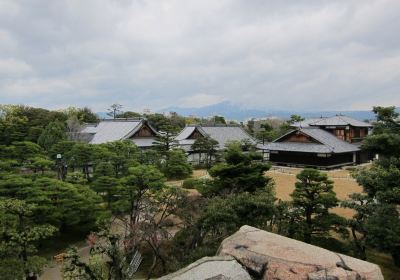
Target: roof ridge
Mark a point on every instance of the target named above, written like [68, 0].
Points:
[321, 140]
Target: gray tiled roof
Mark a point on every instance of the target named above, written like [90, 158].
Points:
[327, 143]
[332, 121]
[115, 130]
[222, 134]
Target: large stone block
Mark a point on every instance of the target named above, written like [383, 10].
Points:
[271, 256]
[211, 268]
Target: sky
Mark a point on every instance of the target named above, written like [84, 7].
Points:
[278, 55]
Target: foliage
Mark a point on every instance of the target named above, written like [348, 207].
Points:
[176, 165]
[61, 204]
[295, 118]
[160, 121]
[84, 115]
[208, 147]
[114, 110]
[381, 183]
[199, 184]
[108, 259]
[129, 115]
[19, 237]
[363, 207]
[238, 174]
[24, 123]
[52, 134]
[165, 140]
[385, 139]
[313, 197]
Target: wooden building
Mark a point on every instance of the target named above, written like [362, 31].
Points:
[322, 143]
[139, 131]
[223, 134]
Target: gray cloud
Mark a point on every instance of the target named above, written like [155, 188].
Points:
[296, 55]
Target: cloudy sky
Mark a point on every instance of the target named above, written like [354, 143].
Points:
[288, 55]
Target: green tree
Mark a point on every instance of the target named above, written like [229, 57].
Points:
[114, 110]
[129, 115]
[121, 155]
[238, 174]
[176, 165]
[13, 128]
[108, 260]
[40, 164]
[19, 236]
[82, 156]
[385, 139]
[363, 207]
[141, 181]
[84, 115]
[208, 147]
[165, 141]
[313, 197]
[219, 120]
[23, 151]
[52, 134]
[295, 118]
[61, 204]
[381, 182]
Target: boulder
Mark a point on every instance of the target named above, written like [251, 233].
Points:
[211, 268]
[271, 256]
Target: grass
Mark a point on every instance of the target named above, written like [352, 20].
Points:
[343, 186]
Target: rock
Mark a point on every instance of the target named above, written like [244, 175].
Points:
[284, 271]
[271, 256]
[336, 273]
[211, 268]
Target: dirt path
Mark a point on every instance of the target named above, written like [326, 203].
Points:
[53, 271]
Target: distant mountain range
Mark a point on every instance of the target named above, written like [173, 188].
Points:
[234, 112]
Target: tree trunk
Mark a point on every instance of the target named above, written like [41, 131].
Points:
[361, 250]
[308, 231]
[153, 266]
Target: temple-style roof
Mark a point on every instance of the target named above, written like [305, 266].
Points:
[324, 142]
[223, 134]
[332, 121]
[117, 129]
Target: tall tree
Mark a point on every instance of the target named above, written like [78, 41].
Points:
[363, 207]
[295, 118]
[238, 174]
[165, 141]
[208, 147]
[52, 134]
[114, 110]
[385, 137]
[313, 197]
[381, 182]
[176, 165]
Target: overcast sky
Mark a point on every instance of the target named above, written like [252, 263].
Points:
[288, 55]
